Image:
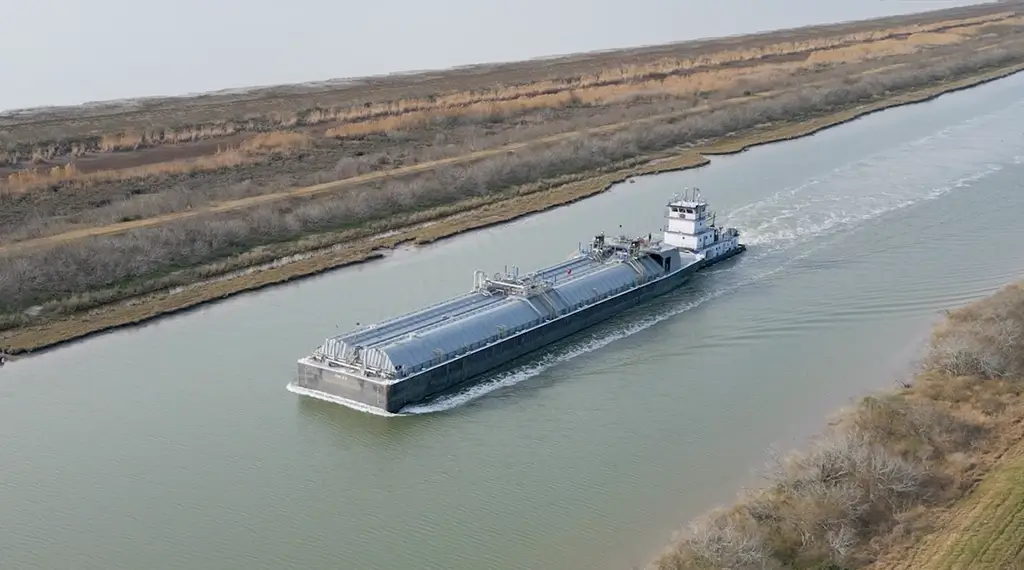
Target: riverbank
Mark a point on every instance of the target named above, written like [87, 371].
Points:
[446, 223]
[925, 477]
[134, 274]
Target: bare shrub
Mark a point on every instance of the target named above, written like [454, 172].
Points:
[990, 349]
[850, 461]
[249, 151]
[910, 428]
[350, 166]
[826, 501]
[728, 539]
[986, 341]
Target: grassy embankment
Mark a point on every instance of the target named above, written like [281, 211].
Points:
[105, 223]
[929, 477]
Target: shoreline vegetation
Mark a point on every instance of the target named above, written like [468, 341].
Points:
[926, 477]
[112, 215]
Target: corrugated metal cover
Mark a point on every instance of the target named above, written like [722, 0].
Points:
[597, 284]
[448, 329]
[343, 346]
[450, 339]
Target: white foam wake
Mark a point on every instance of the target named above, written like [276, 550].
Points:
[884, 182]
[828, 213]
[316, 394]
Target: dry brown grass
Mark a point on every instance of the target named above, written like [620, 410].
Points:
[136, 140]
[673, 86]
[893, 465]
[985, 532]
[668, 78]
[624, 74]
[1011, 21]
[248, 151]
[507, 99]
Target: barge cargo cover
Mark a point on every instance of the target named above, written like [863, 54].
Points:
[418, 356]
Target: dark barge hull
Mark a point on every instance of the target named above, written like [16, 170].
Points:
[391, 396]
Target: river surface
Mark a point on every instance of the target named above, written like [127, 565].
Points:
[177, 446]
[107, 49]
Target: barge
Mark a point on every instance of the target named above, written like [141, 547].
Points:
[414, 358]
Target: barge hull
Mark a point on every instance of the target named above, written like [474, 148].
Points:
[391, 395]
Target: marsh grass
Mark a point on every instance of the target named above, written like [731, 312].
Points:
[665, 77]
[78, 267]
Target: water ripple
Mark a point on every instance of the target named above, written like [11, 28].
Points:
[792, 224]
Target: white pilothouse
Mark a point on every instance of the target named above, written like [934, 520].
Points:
[691, 227]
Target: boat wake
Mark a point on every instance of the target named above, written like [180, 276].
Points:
[783, 226]
[880, 183]
[787, 226]
[317, 395]
[785, 223]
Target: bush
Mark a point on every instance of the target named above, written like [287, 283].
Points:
[985, 341]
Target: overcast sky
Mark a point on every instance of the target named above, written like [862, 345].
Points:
[71, 51]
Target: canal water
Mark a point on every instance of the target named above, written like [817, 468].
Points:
[176, 445]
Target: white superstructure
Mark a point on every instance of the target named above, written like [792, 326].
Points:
[691, 227]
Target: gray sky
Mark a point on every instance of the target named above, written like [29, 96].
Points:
[62, 52]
